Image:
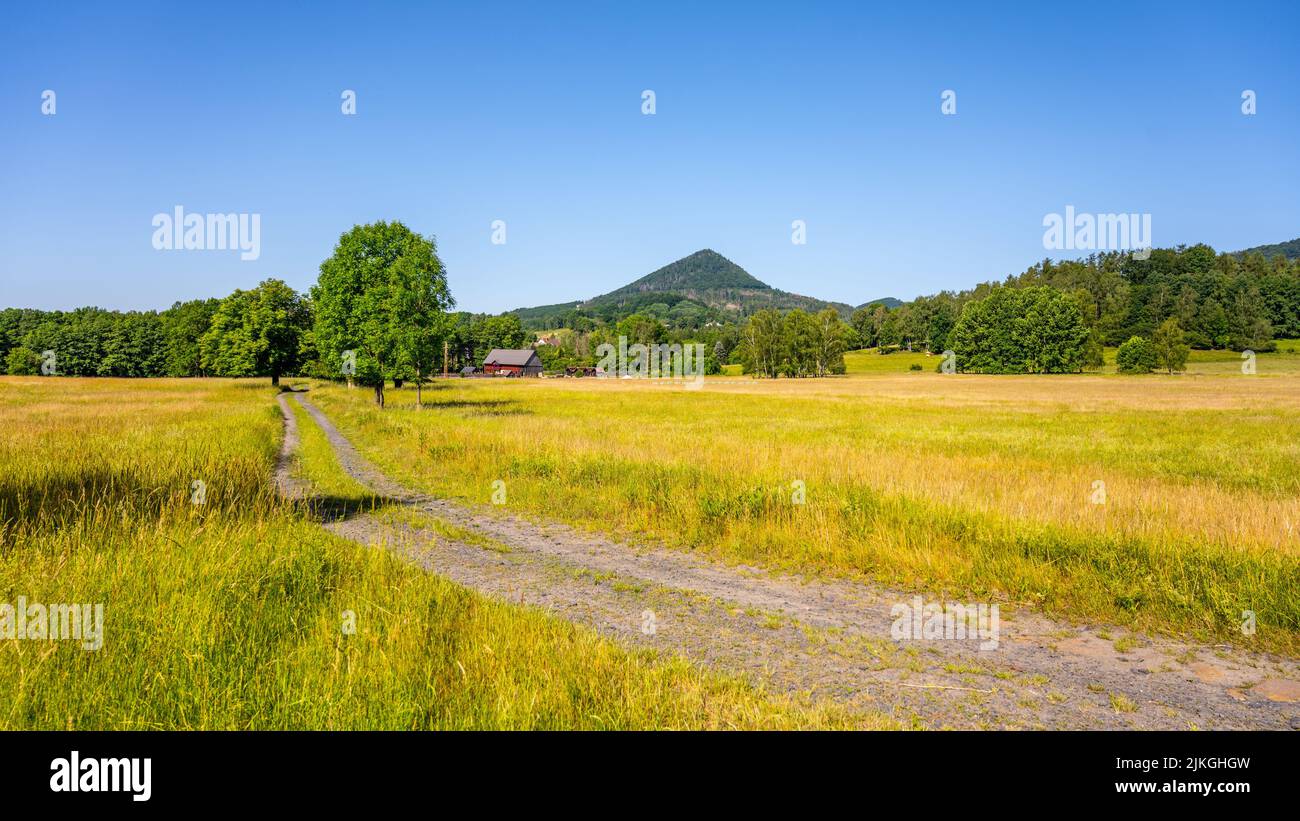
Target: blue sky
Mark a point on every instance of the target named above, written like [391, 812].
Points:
[531, 114]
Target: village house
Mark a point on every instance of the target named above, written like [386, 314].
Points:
[505, 362]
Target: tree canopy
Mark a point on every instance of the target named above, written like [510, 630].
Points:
[379, 302]
[257, 333]
[797, 344]
[1020, 330]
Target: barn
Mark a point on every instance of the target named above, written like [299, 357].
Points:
[506, 362]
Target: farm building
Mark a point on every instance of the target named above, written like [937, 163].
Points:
[505, 362]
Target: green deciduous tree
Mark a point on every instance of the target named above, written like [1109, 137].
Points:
[866, 324]
[376, 273]
[1021, 330]
[22, 361]
[831, 339]
[1170, 347]
[422, 301]
[1137, 355]
[798, 344]
[183, 327]
[256, 333]
[763, 343]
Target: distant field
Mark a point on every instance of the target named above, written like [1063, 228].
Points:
[969, 485]
[872, 361]
[227, 615]
[1285, 360]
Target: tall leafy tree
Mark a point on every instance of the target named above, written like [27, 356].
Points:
[422, 301]
[257, 332]
[831, 341]
[184, 325]
[1021, 330]
[361, 295]
[1171, 350]
[764, 343]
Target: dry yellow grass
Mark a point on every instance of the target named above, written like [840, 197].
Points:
[969, 484]
[229, 614]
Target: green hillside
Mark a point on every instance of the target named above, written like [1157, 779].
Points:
[1290, 250]
[704, 287]
[888, 302]
[704, 270]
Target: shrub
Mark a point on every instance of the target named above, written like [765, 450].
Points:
[22, 362]
[1137, 355]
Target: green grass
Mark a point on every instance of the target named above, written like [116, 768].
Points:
[1285, 360]
[231, 615]
[965, 485]
[314, 463]
[871, 361]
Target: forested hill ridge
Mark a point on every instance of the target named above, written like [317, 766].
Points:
[1290, 250]
[888, 302]
[697, 290]
[1220, 300]
[1240, 300]
[704, 270]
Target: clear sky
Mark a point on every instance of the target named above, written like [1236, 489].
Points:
[532, 114]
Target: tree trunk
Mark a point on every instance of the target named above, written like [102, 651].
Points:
[275, 379]
[379, 394]
[419, 400]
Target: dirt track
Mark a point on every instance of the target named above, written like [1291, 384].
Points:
[831, 638]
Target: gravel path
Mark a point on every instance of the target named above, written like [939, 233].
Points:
[831, 638]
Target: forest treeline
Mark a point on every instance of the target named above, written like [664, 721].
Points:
[1220, 300]
[1056, 317]
[1215, 300]
[235, 336]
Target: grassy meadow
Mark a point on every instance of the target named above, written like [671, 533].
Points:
[1285, 360]
[962, 485]
[229, 614]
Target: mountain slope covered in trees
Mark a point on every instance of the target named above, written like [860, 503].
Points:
[1214, 301]
[696, 290]
[704, 270]
[1290, 250]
